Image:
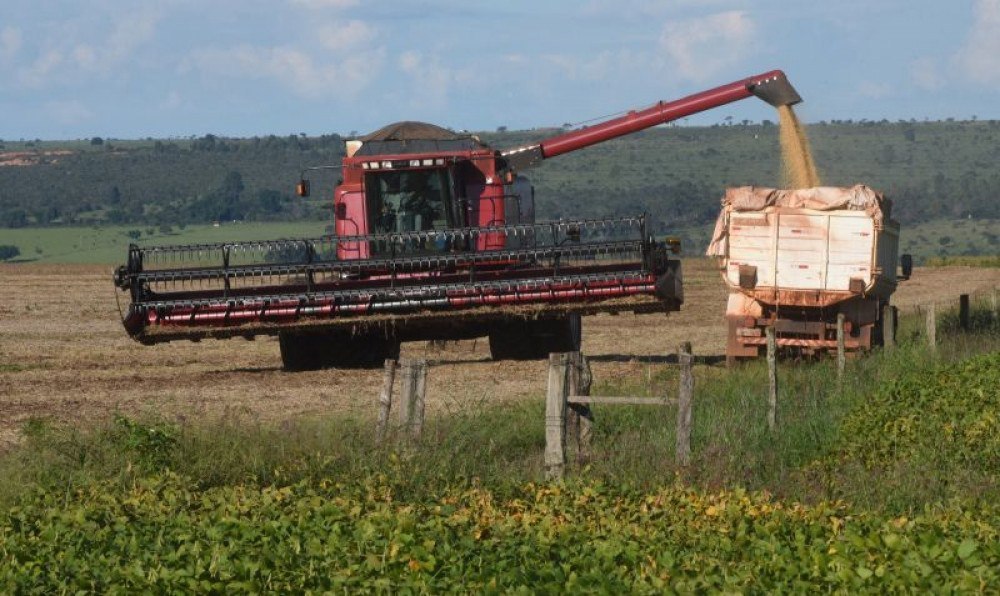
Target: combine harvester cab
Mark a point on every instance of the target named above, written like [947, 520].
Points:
[795, 259]
[435, 238]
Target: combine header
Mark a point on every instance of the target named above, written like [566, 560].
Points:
[435, 238]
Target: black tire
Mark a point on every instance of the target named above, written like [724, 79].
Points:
[314, 351]
[535, 340]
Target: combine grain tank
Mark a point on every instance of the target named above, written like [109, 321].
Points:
[795, 259]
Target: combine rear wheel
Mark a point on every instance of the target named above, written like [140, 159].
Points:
[313, 351]
[535, 340]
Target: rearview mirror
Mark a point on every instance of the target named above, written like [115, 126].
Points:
[302, 188]
[906, 261]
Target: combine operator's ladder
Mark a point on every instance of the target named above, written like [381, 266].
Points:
[266, 287]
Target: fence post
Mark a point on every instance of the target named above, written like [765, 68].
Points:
[888, 327]
[385, 401]
[841, 348]
[555, 417]
[772, 377]
[580, 381]
[996, 314]
[413, 384]
[419, 393]
[572, 384]
[963, 312]
[931, 327]
[684, 395]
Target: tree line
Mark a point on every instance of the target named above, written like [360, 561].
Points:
[931, 170]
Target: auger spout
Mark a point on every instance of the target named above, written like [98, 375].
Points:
[772, 87]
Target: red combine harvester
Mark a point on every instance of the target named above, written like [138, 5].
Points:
[435, 238]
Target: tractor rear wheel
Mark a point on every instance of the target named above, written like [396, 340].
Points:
[313, 351]
[535, 340]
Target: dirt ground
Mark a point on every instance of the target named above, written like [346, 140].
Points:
[65, 356]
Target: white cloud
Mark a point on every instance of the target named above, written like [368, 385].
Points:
[38, 72]
[70, 112]
[321, 4]
[131, 30]
[698, 48]
[926, 74]
[872, 90]
[65, 52]
[85, 56]
[594, 69]
[339, 37]
[10, 42]
[430, 81]
[305, 76]
[350, 65]
[978, 57]
[172, 101]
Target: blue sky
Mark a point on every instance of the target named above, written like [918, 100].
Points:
[133, 68]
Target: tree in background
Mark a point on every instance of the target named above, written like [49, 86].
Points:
[8, 252]
[15, 218]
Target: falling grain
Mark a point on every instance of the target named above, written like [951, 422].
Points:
[799, 167]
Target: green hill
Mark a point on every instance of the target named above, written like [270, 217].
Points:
[934, 171]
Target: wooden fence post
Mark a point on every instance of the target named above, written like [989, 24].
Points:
[419, 395]
[385, 401]
[888, 327]
[580, 381]
[841, 348]
[963, 312]
[931, 327]
[684, 396]
[413, 384]
[772, 377]
[572, 383]
[993, 299]
[555, 416]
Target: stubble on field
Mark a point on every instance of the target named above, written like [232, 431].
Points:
[64, 355]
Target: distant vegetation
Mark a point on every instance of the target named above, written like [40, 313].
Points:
[8, 251]
[933, 171]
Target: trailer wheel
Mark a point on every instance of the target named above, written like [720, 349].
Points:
[307, 351]
[535, 340]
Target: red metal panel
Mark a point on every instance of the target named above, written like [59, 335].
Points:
[354, 224]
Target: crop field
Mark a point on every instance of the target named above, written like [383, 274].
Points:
[942, 240]
[203, 466]
[64, 354]
[109, 244]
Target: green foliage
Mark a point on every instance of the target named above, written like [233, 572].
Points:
[884, 482]
[14, 218]
[162, 182]
[933, 170]
[964, 261]
[108, 244]
[932, 432]
[164, 534]
[8, 251]
[149, 446]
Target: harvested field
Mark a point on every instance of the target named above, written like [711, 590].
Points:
[64, 355]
